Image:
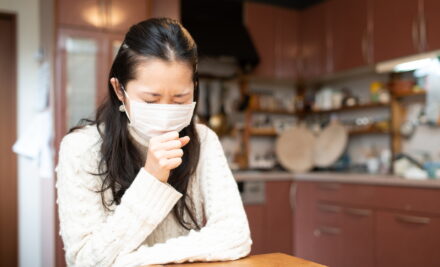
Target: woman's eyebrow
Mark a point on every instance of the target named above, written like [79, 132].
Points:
[151, 93]
[183, 94]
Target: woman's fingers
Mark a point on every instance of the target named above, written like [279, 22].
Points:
[170, 163]
[166, 137]
[170, 145]
[175, 153]
[184, 140]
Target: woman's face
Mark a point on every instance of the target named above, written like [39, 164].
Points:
[159, 82]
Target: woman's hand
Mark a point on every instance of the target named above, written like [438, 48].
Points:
[164, 154]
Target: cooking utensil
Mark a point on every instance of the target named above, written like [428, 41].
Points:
[294, 149]
[330, 144]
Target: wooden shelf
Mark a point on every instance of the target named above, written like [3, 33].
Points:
[409, 94]
[280, 112]
[367, 131]
[272, 132]
[262, 132]
[342, 109]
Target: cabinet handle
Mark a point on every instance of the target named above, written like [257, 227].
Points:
[329, 186]
[413, 219]
[328, 230]
[415, 34]
[365, 46]
[358, 212]
[422, 30]
[329, 208]
[292, 196]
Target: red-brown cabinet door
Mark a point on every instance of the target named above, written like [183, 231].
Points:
[395, 29]
[407, 240]
[287, 46]
[278, 216]
[82, 13]
[122, 14]
[357, 235]
[349, 41]
[304, 199]
[432, 24]
[261, 22]
[314, 40]
[327, 244]
[255, 215]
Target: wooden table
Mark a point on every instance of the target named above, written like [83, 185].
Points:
[263, 260]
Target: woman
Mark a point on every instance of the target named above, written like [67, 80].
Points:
[143, 183]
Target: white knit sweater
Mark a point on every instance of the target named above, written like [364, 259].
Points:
[142, 230]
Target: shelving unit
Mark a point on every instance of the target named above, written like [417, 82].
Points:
[397, 114]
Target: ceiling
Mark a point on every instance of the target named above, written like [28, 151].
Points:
[295, 4]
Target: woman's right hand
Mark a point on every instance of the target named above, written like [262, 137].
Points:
[164, 154]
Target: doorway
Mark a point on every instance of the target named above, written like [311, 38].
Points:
[8, 135]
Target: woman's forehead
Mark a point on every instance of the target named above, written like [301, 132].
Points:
[160, 76]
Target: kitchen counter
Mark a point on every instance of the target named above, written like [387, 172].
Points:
[263, 260]
[335, 177]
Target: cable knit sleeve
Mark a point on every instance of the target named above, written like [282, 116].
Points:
[91, 237]
[226, 235]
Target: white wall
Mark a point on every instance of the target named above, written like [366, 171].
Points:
[29, 184]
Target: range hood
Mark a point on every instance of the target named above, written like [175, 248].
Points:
[220, 34]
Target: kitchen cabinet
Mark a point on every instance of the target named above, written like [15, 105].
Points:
[406, 239]
[83, 61]
[357, 232]
[274, 32]
[350, 34]
[165, 8]
[346, 225]
[430, 24]
[81, 13]
[327, 234]
[314, 37]
[110, 15]
[287, 45]
[278, 217]
[260, 20]
[80, 67]
[122, 14]
[255, 214]
[271, 222]
[396, 29]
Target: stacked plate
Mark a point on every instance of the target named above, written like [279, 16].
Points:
[299, 150]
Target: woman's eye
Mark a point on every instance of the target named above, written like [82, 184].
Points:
[150, 102]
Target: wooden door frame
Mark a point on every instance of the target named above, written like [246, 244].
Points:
[13, 18]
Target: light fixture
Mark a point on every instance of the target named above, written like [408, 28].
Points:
[407, 63]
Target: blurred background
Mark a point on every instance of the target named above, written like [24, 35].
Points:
[328, 112]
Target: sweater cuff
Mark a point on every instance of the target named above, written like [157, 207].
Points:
[150, 198]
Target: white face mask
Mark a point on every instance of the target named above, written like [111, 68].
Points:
[149, 120]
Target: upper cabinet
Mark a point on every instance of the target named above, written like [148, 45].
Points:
[165, 8]
[396, 29]
[122, 14]
[430, 24]
[260, 21]
[274, 31]
[314, 39]
[350, 34]
[287, 46]
[81, 13]
[111, 15]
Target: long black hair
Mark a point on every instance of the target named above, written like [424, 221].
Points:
[165, 39]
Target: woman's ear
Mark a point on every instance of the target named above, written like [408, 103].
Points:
[117, 88]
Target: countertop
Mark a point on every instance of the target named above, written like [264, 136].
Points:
[263, 260]
[335, 177]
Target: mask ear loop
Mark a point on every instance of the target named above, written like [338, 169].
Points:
[123, 105]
